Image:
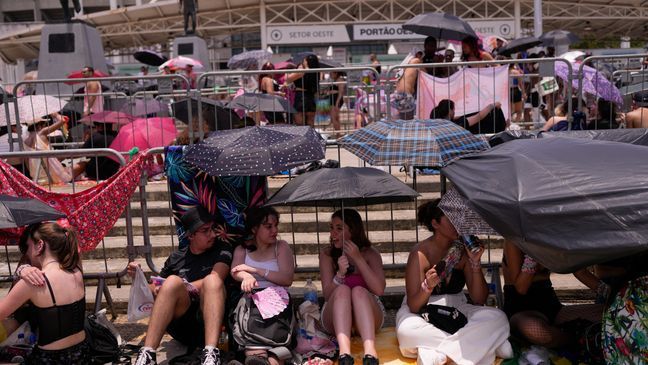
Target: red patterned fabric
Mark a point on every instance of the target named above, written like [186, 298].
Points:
[93, 212]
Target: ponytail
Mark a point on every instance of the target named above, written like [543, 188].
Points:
[62, 243]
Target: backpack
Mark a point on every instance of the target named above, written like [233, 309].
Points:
[104, 346]
[277, 334]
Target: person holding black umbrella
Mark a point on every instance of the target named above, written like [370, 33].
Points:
[306, 86]
[352, 281]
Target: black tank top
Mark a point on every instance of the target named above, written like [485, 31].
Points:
[58, 321]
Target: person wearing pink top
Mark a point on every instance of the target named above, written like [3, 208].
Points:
[352, 281]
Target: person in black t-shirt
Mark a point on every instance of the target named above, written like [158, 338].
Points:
[98, 168]
[193, 296]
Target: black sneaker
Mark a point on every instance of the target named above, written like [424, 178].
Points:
[146, 357]
[345, 359]
[210, 357]
[369, 360]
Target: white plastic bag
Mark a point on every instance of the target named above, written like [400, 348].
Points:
[140, 300]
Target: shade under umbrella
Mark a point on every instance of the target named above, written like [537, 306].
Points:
[254, 151]
[18, 212]
[519, 45]
[150, 58]
[261, 103]
[559, 38]
[350, 186]
[568, 203]
[412, 142]
[213, 112]
[139, 107]
[440, 26]
[249, 60]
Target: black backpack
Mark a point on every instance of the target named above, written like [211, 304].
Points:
[104, 347]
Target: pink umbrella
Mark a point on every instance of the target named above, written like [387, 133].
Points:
[181, 62]
[109, 116]
[144, 134]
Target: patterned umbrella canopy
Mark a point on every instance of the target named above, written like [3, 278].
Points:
[256, 150]
[249, 60]
[465, 220]
[414, 142]
[594, 82]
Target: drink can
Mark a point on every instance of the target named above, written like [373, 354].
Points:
[471, 242]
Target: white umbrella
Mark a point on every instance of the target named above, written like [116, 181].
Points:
[33, 107]
[572, 56]
[181, 62]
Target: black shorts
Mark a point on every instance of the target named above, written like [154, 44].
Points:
[189, 329]
[541, 297]
[76, 354]
[304, 102]
[516, 94]
[534, 99]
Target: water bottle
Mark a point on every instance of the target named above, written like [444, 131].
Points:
[21, 339]
[223, 340]
[310, 292]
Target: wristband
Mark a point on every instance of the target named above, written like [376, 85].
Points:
[475, 266]
[337, 281]
[265, 274]
[21, 268]
[529, 266]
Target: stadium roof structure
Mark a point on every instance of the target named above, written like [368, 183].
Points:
[158, 21]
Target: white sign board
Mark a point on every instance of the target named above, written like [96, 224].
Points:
[370, 32]
[308, 34]
[502, 28]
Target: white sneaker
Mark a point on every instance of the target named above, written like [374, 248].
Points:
[505, 351]
[430, 356]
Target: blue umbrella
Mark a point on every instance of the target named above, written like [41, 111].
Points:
[412, 142]
[255, 151]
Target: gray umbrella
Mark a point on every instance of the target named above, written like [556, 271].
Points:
[440, 26]
[350, 186]
[569, 203]
[559, 38]
[255, 151]
[18, 212]
[249, 60]
[519, 45]
[139, 107]
[261, 103]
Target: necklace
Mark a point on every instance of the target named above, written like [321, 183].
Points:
[47, 263]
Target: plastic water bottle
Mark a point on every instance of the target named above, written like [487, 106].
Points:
[21, 339]
[310, 292]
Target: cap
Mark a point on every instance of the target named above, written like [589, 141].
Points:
[195, 218]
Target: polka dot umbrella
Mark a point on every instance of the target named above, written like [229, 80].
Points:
[255, 151]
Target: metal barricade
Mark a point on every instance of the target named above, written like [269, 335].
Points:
[100, 276]
[548, 62]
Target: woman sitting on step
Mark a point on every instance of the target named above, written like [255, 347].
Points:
[437, 270]
[352, 281]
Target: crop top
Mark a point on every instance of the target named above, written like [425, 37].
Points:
[58, 321]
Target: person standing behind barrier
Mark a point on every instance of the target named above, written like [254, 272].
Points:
[471, 51]
[54, 286]
[486, 332]
[193, 295]
[306, 85]
[352, 281]
[403, 104]
[336, 93]
[268, 85]
[93, 101]
[262, 261]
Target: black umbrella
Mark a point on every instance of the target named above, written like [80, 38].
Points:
[255, 150]
[150, 58]
[18, 212]
[440, 26]
[330, 64]
[213, 112]
[519, 45]
[559, 38]
[261, 103]
[638, 136]
[298, 58]
[568, 203]
[352, 186]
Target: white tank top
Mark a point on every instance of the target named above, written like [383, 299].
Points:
[262, 266]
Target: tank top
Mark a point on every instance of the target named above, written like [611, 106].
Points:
[58, 321]
[354, 280]
[262, 266]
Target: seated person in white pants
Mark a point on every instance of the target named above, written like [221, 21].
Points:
[487, 331]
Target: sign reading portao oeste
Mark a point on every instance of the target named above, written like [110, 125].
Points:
[377, 32]
[305, 34]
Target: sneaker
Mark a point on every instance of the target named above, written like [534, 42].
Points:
[370, 360]
[345, 359]
[210, 357]
[505, 351]
[146, 357]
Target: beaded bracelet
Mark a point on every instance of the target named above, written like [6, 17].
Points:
[21, 268]
[529, 266]
[265, 274]
[425, 287]
[337, 281]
